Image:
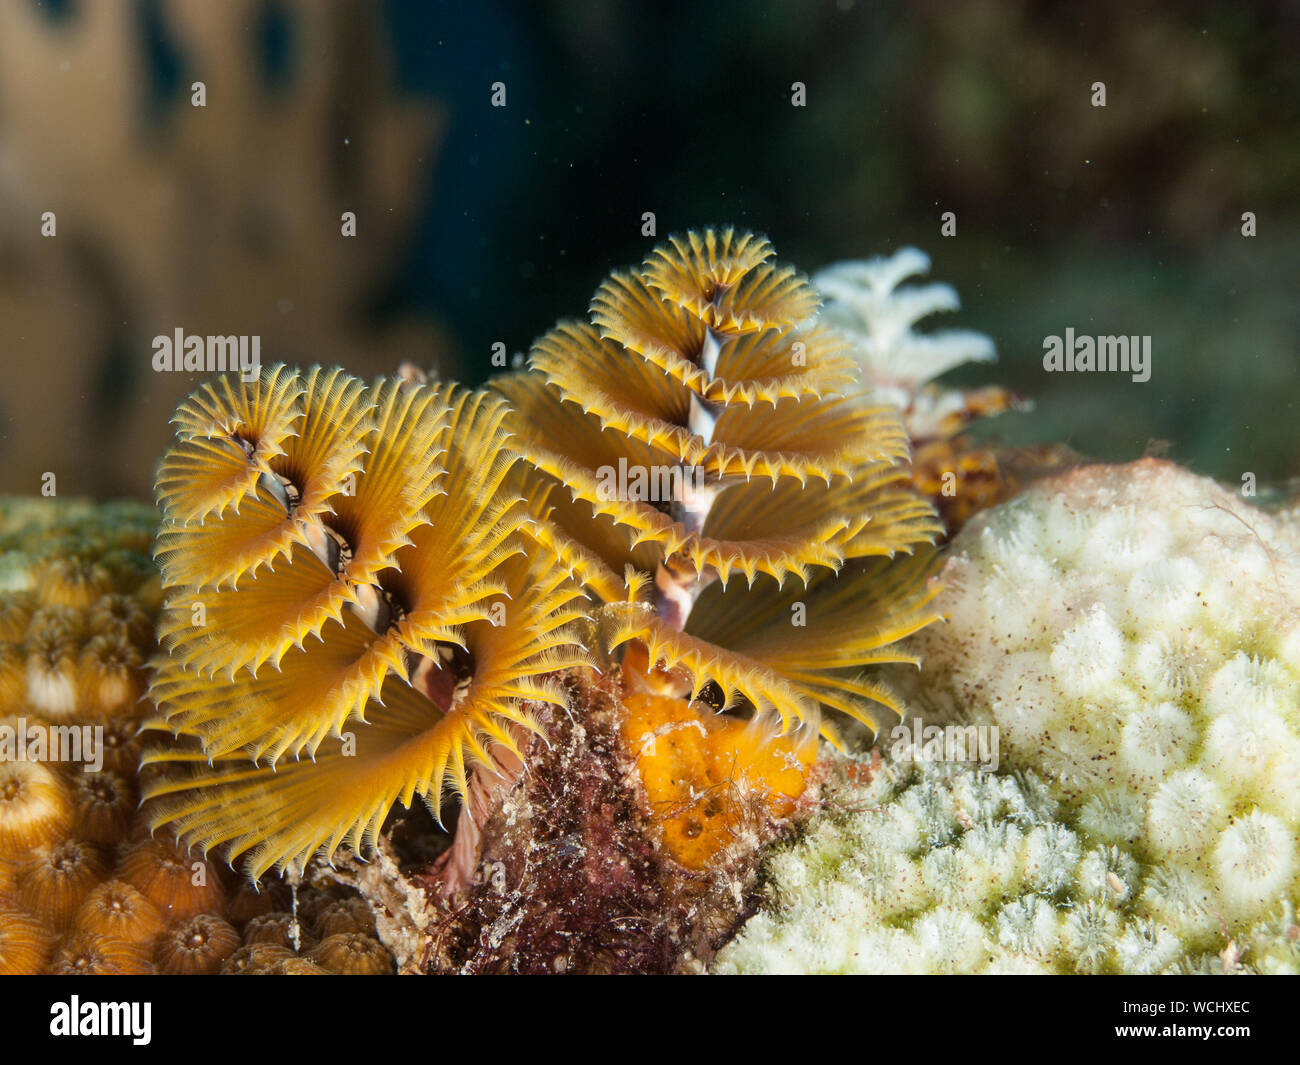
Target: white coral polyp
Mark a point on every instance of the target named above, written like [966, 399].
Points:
[950, 940]
[1030, 926]
[1124, 541]
[1248, 683]
[1255, 860]
[1114, 818]
[1019, 622]
[1184, 814]
[1165, 590]
[1242, 746]
[1146, 947]
[1155, 741]
[1168, 665]
[1089, 935]
[1108, 875]
[1087, 657]
[1050, 855]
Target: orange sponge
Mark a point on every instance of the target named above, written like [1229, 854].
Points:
[704, 772]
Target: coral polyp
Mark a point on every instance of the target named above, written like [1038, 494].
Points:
[352, 954]
[35, 805]
[52, 880]
[105, 806]
[86, 954]
[196, 946]
[118, 910]
[176, 883]
[357, 610]
[25, 944]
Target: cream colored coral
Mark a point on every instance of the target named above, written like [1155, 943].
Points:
[937, 868]
[1133, 633]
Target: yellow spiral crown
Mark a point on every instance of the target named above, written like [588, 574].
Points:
[357, 609]
[708, 362]
[367, 585]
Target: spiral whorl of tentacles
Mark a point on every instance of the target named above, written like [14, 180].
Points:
[875, 306]
[708, 428]
[368, 586]
[357, 609]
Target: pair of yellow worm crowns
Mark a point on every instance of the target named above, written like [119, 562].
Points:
[368, 585]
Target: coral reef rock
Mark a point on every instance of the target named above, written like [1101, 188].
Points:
[571, 873]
